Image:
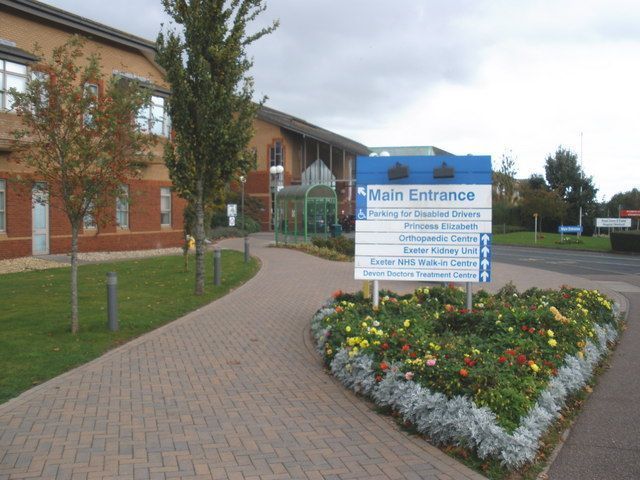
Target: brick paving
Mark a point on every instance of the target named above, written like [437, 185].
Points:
[233, 390]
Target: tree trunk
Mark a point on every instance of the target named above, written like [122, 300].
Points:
[74, 279]
[199, 235]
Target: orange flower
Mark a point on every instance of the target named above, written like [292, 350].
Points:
[339, 309]
[463, 372]
[336, 294]
[384, 366]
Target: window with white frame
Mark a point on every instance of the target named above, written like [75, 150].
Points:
[3, 205]
[154, 117]
[89, 220]
[90, 91]
[12, 75]
[165, 206]
[122, 207]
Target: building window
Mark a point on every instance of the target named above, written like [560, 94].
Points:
[165, 207]
[154, 117]
[90, 91]
[89, 220]
[3, 206]
[12, 75]
[276, 154]
[122, 207]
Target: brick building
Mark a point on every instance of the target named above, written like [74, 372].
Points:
[289, 150]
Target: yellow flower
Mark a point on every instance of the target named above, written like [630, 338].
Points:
[550, 333]
[534, 367]
[329, 351]
[510, 329]
[552, 342]
[407, 324]
[347, 329]
[580, 355]
[364, 324]
[364, 343]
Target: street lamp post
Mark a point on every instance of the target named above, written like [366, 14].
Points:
[276, 172]
[243, 180]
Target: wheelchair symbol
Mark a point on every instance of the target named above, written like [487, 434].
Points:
[362, 215]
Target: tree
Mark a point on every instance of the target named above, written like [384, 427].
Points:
[504, 178]
[548, 204]
[211, 106]
[566, 177]
[81, 145]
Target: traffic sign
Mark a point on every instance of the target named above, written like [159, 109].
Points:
[232, 210]
[423, 218]
[613, 222]
[570, 229]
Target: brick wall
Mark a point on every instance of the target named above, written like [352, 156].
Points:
[144, 222]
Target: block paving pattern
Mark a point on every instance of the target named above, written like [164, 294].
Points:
[233, 390]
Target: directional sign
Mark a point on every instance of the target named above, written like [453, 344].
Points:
[613, 222]
[419, 226]
[630, 213]
[570, 229]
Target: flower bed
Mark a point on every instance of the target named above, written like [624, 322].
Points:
[492, 379]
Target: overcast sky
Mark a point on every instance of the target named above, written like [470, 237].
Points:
[468, 76]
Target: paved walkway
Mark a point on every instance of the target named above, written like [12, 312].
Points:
[233, 390]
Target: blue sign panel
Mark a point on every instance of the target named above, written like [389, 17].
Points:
[423, 218]
[570, 229]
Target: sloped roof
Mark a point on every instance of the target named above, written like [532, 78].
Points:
[410, 151]
[297, 125]
[80, 24]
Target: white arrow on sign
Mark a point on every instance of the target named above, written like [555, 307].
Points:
[484, 263]
[485, 251]
[362, 191]
[484, 276]
[485, 239]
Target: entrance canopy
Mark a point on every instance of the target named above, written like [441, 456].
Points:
[303, 212]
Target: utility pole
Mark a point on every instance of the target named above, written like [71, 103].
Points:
[581, 182]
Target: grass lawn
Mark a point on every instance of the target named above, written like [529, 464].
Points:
[552, 240]
[36, 343]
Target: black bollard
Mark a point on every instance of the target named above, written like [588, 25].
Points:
[217, 267]
[112, 301]
[246, 250]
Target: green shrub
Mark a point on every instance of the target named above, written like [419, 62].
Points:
[343, 245]
[625, 241]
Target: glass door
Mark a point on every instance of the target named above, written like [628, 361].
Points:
[40, 219]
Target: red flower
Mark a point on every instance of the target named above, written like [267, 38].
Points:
[378, 378]
[502, 359]
[339, 309]
[524, 328]
[413, 354]
[393, 300]
[463, 373]
[522, 359]
[542, 332]
[510, 351]
[384, 346]
[336, 294]
[566, 295]
[472, 363]
[533, 307]
[467, 360]
[384, 366]
[406, 347]
[532, 330]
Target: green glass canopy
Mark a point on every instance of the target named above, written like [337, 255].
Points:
[304, 211]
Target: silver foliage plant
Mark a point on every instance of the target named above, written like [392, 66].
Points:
[459, 421]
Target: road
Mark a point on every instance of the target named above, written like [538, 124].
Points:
[568, 261]
[604, 441]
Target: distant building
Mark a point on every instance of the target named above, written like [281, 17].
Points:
[410, 151]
